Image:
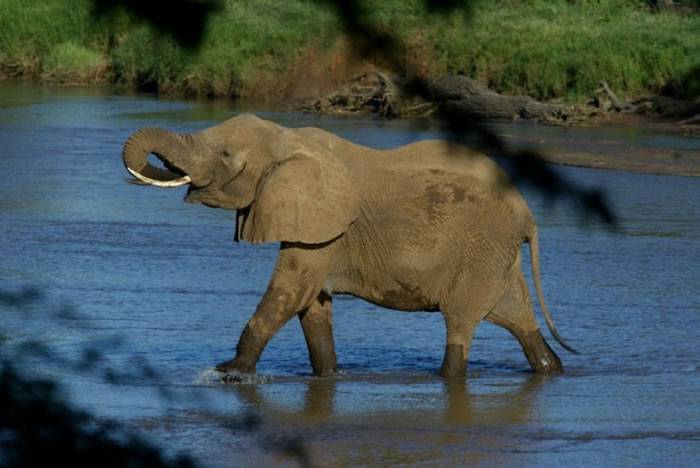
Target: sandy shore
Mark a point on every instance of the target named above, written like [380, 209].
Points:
[626, 140]
[627, 144]
[652, 161]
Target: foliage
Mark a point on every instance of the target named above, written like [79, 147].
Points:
[69, 62]
[548, 49]
[552, 49]
[38, 425]
[245, 35]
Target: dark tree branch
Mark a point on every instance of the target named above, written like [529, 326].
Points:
[186, 21]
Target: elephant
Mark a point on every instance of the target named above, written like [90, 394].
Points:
[430, 226]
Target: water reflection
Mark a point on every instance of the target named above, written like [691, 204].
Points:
[449, 420]
[508, 408]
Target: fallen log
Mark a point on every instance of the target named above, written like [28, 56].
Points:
[374, 93]
[694, 120]
[462, 94]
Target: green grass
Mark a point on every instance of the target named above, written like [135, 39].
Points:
[248, 35]
[549, 49]
[552, 49]
[69, 62]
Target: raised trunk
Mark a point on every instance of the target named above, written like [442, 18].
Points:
[171, 146]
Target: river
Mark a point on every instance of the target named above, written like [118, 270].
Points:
[143, 277]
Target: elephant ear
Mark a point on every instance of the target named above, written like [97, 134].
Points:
[302, 199]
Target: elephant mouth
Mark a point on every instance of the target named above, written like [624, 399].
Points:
[176, 177]
[216, 195]
[234, 178]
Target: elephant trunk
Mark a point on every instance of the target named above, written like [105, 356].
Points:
[170, 147]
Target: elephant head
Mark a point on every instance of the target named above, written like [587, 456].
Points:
[283, 186]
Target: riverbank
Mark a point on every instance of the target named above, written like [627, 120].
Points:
[622, 143]
[267, 51]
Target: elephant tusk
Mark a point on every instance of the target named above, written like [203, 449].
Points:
[161, 183]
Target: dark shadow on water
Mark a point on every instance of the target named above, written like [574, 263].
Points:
[40, 426]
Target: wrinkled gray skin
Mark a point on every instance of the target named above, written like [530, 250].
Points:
[431, 226]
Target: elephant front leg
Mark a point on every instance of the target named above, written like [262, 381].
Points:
[295, 285]
[317, 323]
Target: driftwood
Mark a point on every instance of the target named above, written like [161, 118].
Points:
[374, 93]
[370, 92]
[607, 100]
[660, 106]
[679, 7]
[465, 95]
[694, 120]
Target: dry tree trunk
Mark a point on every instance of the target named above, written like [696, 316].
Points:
[463, 94]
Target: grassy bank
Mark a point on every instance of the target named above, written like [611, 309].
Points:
[548, 49]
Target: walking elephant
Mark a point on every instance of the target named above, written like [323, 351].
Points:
[430, 226]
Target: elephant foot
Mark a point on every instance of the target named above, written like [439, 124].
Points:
[233, 373]
[454, 363]
[541, 357]
[235, 366]
[329, 372]
[235, 377]
[323, 364]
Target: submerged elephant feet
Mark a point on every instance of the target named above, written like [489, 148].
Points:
[454, 363]
[234, 370]
[541, 357]
[233, 373]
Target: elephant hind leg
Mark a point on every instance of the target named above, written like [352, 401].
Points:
[459, 340]
[514, 312]
[462, 311]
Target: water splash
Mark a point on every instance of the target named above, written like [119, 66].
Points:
[214, 377]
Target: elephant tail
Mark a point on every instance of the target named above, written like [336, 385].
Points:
[535, 264]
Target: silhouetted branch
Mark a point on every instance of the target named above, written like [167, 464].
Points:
[185, 20]
[38, 426]
[462, 126]
[25, 296]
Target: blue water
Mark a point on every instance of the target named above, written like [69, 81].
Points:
[115, 260]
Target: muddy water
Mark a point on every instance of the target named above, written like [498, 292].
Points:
[138, 263]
